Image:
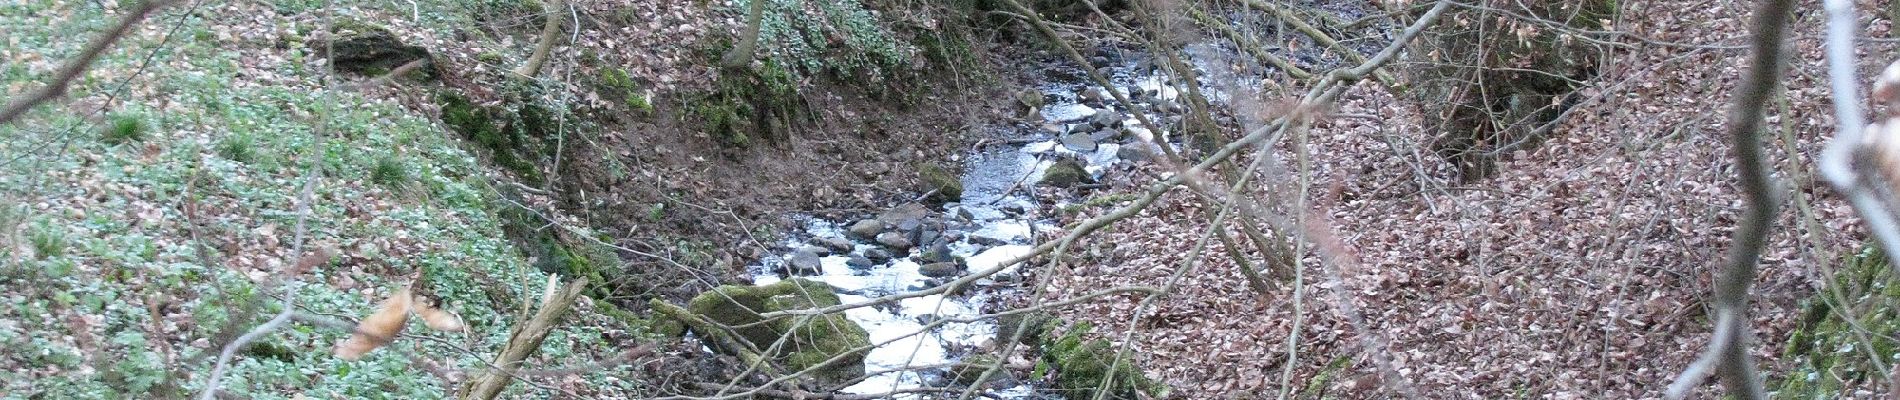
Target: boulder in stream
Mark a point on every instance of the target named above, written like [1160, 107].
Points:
[836, 245]
[1080, 142]
[866, 229]
[893, 240]
[940, 269]
[810, 341]
[804, 262]
[1066, 173]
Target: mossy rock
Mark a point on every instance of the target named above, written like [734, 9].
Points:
[812, 340]
[1828, 355]
[1066, 173]
[966, 371]
[1081, 365]
[943, 182]
[365, 49]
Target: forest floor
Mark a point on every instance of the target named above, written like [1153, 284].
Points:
[1579, 271]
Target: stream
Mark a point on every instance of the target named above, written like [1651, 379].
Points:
[912, 247]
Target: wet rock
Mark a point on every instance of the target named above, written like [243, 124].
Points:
[1138, 151]
[894, 240]
[944, 184]
[1138, 132]
[910, 225]
[1167, 106]
[1095, 95]
[804, 262]
[981, 240]
[927, 236]
[939, 269]
[1079, 142]
[835, 245]
[810, 343]
[909, 211]
[877, 255]
[1105, 135]
[859, 262]
[866, 229]
[1066, 173]
[1054, 129]
[1106, 119]
[821, 251]
[965, 214]
[936, 254]
[967, 371]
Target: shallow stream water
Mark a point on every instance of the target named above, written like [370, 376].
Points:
[996, 220]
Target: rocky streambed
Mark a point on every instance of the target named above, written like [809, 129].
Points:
[1079, 134]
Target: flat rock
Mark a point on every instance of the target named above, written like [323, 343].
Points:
[893, 240]
[1105, 119]
[937, 253]
[836, 245]
[1137, 151]
[939, 270]
[859, 262]
[909, 211]
[1079, 142]
[821, 251]
[866, 229]
[877, 255]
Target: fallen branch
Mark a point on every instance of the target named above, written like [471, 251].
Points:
[523, 341]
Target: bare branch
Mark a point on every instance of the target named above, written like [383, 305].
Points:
[77, 66]
[1728, 351]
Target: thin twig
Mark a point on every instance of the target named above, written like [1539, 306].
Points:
[1728, 351]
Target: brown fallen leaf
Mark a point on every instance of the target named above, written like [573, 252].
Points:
[378, 329]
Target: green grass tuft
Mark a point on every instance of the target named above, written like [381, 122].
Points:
[240, 148]
[48, 243]
[124, 129]
[391, 172]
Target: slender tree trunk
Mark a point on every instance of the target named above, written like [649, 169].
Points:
[549, 31]
[741, 53]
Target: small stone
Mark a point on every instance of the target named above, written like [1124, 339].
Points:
[986, 241]
[939, 270]
[927, 236]
[893, 240]
[1105, 119]
[859, 262]
[877, 255]
[938, 253]
[1104, 135]
[910, 225]
[804, 262]
[1066, 173]
[1079, 142]
[1136, 151]
[836, 245]
[866, 229]
[819, 250]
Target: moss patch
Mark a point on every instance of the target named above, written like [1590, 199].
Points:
[1083, 367]
[810, 341]
[942, 182]
[751, 105]
[1826, 353]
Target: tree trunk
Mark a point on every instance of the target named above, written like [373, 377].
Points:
[741, 53]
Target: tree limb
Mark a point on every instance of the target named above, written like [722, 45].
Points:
[1728, 349]
[78, 65]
